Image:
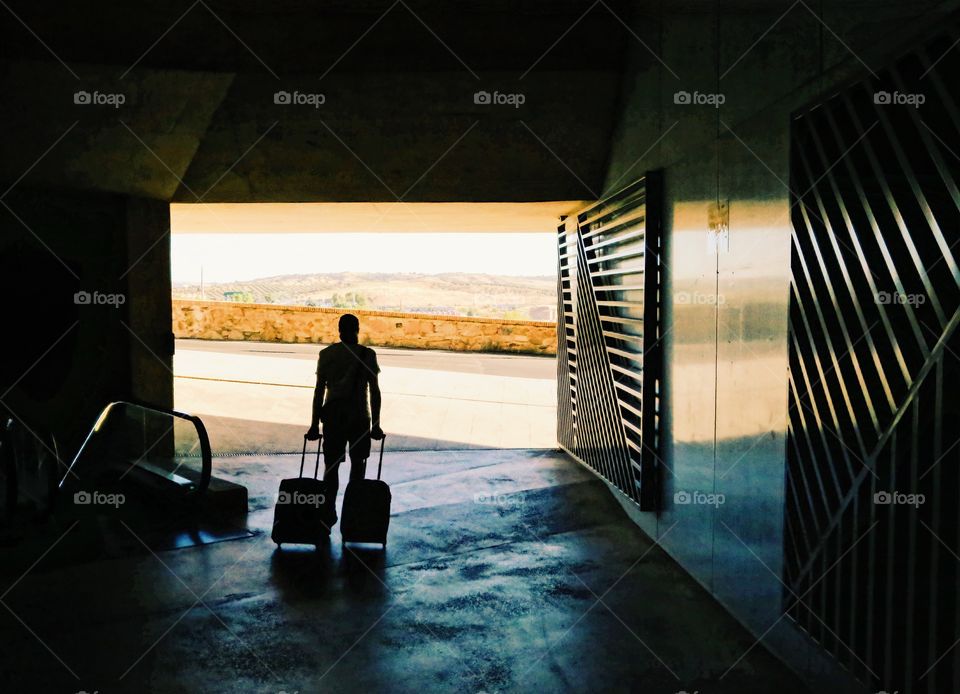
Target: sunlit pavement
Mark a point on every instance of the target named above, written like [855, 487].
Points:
[256, 397]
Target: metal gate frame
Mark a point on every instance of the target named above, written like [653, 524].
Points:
[609, 358]
[873, 371]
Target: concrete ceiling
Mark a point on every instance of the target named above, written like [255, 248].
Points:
[285, 37]
[444, 217]
[399, 121]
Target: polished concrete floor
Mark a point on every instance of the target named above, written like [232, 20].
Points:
[506, 571]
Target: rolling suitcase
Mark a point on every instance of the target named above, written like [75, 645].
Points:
[366, 509]
[302, 513]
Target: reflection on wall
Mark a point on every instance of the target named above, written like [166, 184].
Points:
[726, 165]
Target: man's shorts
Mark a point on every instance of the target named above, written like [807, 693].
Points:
[338, 436]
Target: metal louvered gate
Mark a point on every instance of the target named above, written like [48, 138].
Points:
[872, 563]
[608, 352]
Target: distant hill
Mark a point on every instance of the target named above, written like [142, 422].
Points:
[452, 293]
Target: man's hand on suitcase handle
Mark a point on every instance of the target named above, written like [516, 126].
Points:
[313, 433]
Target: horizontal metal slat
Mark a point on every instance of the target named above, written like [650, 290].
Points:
[623, 321]
[620, 238]
[627, 389]
[623, 336]
[631, 408]
[624, 304]
[625, 354]
[633, 427]
[616, 256]
[619, 288]
[616, 271]
[635, 375]
[629, 194]
[633, 218]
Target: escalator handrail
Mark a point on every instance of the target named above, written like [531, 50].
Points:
[205, 450]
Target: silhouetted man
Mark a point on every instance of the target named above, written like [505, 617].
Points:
[345, 370]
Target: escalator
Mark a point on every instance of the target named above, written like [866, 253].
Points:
[143, 455]
[142, 478]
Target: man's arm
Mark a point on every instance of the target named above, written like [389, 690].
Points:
[314, 432]
[375, 399]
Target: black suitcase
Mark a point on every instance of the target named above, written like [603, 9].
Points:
[302, 512]
[366, 509]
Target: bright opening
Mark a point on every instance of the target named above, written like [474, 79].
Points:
[459, 304]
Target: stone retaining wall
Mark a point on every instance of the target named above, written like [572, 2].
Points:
[227, 320]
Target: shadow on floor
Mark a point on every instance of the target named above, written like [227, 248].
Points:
[232, 436]
[305, 572]
[506, 571]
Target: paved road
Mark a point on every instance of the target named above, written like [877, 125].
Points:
[520, 366]
[255, 397]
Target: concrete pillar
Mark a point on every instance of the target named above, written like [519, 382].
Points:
[148, 289]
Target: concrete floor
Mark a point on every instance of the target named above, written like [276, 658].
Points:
[491, 581]
[255, 397]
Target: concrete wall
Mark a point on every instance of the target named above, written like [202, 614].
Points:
[65, 358]
[225, 320]
[725, 344]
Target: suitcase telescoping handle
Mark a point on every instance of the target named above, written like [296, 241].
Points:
[380, 466]
[303, 456]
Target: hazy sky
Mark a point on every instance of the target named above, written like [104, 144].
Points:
[230, 257]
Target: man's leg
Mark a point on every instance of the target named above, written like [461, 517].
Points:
[334, 447]
[359, 450]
